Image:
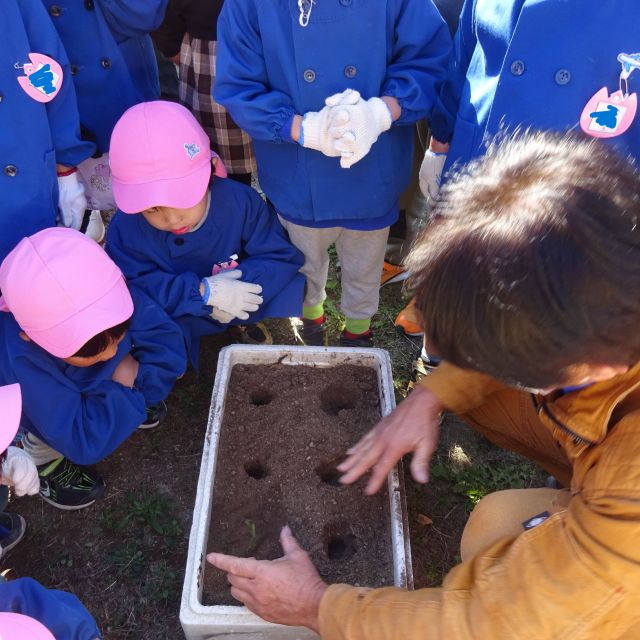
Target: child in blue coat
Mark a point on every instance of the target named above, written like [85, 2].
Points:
[28, 610]
[90, 357]
[40, 130]
[113, 67]
[329, 93]
[208, 250]
[536, 63]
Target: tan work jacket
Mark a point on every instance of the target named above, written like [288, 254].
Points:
[576, 576]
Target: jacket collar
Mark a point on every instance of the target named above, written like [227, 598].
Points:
[587, 412]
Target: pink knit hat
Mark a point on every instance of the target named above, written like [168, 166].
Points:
[16, 626]
[63, 289]
[10, 412]
[160, 157]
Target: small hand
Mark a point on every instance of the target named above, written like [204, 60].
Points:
[71, 200]
[19, 472]
[413, 426]
[286, 591]
[226, 292]
[127, 371]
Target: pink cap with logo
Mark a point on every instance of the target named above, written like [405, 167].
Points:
[10, 412]
[16, 626]
[63, 289]
[160, 157]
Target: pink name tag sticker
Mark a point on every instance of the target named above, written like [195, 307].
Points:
[42, 77]
[608, 116]
[227, 265]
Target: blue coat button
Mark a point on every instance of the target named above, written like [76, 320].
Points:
[55, 11]
[11, 170]
[309, 75]
[105, 63]
[345, 3]
[517, 67]
[1, 96]
[350, 71]
[88, 5]
[563, 76]
[74, 69]
[179, 241]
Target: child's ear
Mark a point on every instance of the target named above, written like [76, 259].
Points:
[24, 336]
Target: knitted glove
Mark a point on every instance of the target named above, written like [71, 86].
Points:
[71, 200]
[431, 173]
[314, 131]
[19, 472]
[366, 120]
[227, 293]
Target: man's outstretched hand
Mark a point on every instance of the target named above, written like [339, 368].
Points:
[286, 591]
[413, 426]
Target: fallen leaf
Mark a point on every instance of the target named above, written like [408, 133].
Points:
[423, 520]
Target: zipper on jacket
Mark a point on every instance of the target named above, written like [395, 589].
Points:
[542, 406]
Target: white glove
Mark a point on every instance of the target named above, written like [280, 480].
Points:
[431, 173]
[71, 200]
[366, 121]
[19, 472]
[316, 125]
[227, 293]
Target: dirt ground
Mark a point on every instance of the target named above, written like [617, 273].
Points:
[125, 556]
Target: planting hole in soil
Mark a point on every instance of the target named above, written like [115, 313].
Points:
[314, 416]
[261, 397]
[329, 474]
[340, 545]
[256, 470]
[336, 398]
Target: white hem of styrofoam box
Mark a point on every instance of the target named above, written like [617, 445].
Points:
[201, 622]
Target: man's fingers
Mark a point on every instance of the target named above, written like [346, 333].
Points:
[244, 584]
[420, 462]
[244, 567]
[358, 445]
[379, 473]
[288, 542]
[240, 595]
[360, 463]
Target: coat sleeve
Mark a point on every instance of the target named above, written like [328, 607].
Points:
[128, 19]
[443, 115]
[576, 575]
[270, 259]
[158, 346]
[421, 49]
[177, 294]
[242, 79]
[168, 37]
[62, 111]
[60, 612]
[85, 426]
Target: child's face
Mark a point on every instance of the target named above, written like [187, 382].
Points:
[176, 221]
[103, 356]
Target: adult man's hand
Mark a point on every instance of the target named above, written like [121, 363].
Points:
[286, 591]
[413, 426]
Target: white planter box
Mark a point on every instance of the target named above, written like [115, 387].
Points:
[207, 622]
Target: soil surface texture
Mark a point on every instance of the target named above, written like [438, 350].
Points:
[284, 430]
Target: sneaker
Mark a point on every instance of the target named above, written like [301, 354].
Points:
[93, 225]
[314, 334]
[69, 486]
[251, 333]
[12, 528]
[392, 273]
[409, 320]
[155, 415]
[356, 340]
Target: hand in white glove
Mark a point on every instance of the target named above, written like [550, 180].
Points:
[19, 472]
[221, 316]
[71, 200]
[431, 173]
[316, 125]
[366, 120]
[227, 293]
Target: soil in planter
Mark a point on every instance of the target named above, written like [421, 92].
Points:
[285, 429]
